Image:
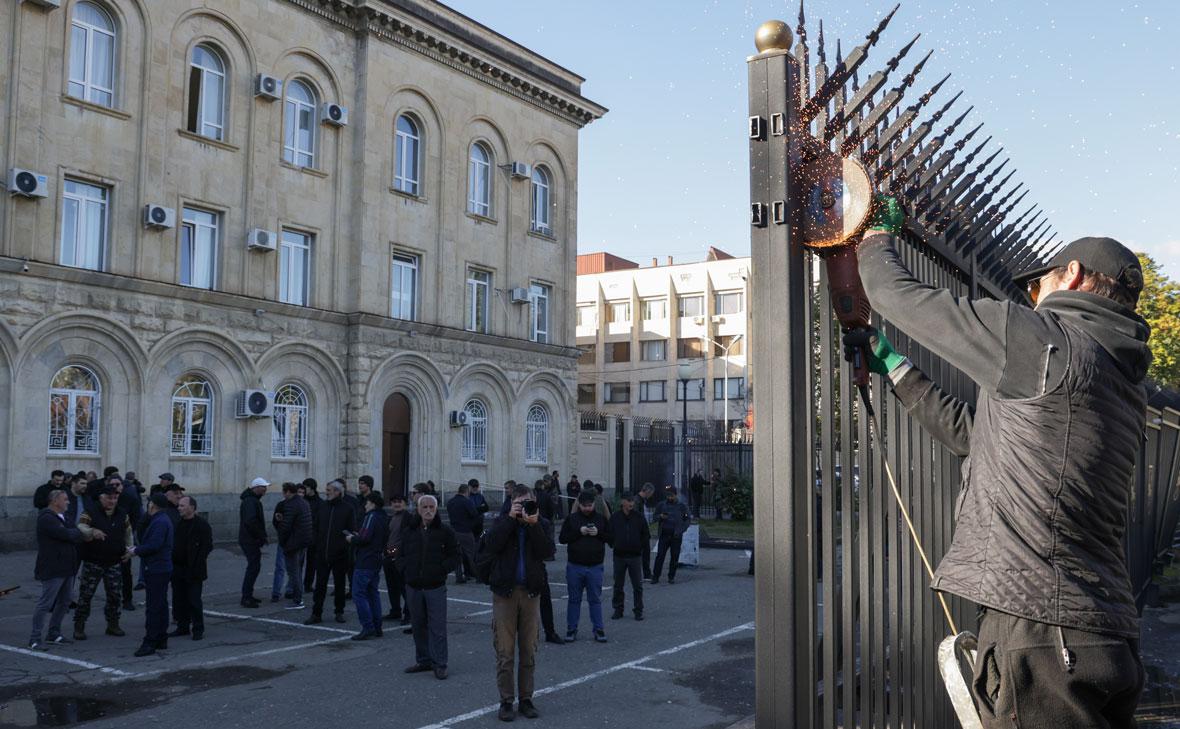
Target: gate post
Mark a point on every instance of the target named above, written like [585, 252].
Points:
[784, 595]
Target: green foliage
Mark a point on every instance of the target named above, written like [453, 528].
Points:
[1159, 304]
[736, 496]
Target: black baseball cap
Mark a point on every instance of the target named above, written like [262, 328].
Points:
[167, 475]
[1102, 255]
[174, 487]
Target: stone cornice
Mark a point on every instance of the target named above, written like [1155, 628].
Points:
[483, 65]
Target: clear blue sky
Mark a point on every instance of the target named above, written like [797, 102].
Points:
[1083, 94]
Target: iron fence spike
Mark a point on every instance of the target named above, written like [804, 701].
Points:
[819, 50]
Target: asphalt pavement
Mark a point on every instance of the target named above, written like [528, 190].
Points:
[689, 664]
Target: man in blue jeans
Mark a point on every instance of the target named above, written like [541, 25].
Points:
[585, 534]
[370, 546]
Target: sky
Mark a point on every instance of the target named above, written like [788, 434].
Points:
[1084, 95]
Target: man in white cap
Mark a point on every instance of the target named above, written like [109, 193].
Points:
[252, 537]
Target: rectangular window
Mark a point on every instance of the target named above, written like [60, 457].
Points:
[618, 311]
[655, 309]
[737, 388]
[198, 248]
[586, 395]
[691, 305]
[735, 346]
[695, 386]
[727, 302]
[690, 348]
[539, 304]
[84, 225]
[617, 392]
[654, 350]
[479, 284]
[587, 315]
[652, 391]
[295, 268]
[617, 352]
[404, 288]
[588, 355]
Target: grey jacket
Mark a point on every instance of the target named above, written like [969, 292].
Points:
[1051, 442]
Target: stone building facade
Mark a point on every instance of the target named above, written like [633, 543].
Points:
[416, 174]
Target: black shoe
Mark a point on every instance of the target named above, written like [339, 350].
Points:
[339, 617]
[348, 595]
[275, 598]
[407, 631]
[145, 650]
[506, 712]
[554, 638]
[140, 586]
[58, 640]
[162, 644]
[419, 668]
[571, 636]
[129, 606]
[36, 645]
[379, 632]
[79, 632]
[179, 632]
[391, 616]
[655, 580]
[440, 672]
[364, 635]
[115, 630]
[616, 615]
[250, 603]
[600, 636]
[405, 620]
[198, 635]
[527, 710]
[313, 620]
[639, 616]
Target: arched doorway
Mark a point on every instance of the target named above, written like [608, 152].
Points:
[395, 446]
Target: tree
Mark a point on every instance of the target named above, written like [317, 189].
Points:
[1159, 304]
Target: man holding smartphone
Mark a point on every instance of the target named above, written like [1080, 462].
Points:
[586, 534]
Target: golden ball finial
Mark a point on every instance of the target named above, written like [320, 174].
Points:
[773, 35]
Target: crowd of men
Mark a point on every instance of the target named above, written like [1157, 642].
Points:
[92, 527]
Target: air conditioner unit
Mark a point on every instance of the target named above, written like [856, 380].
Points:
[268, 87]
[255, 404]
[262, 240]
[519, 295]
[520, 170]
[27, 183]
[45, 3]
[718, 319]
[698, 320]
[158, 216]
[334, 114]
[458, 418]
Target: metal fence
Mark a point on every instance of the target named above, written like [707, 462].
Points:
[847, 628]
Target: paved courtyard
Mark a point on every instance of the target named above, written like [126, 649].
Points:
[688, 665]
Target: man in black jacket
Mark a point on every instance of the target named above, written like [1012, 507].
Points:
[673, 518]
[395, 583]
[463, 517]
[252, 537]
[429, 551]
[586, 534]
[101, 560]
[310, 492]
[336, 519]
[1051, 445]
[130, 501]
[57, 561]
[191, 545]
[517, 547]
[295, 536]
[370, 545]
[56, 482]
[632, 541]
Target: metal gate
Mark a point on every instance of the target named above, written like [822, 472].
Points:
[847, 628]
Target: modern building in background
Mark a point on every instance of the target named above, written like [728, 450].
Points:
[659, 340]
[287, 237]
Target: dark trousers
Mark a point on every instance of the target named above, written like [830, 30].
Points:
[309, 571]
[337, 570]
[187, 605]
[396, 586]
[293, 561]
[125, 568]
[696, 503]
[667, 542]
[546, 602]
[624, 567]
[253, 554]
[647, 562]
[1021, 677]
[466, 567]
[156, 598]
[428, 611]
[367, 598]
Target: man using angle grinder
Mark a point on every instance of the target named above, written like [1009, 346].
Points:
[1051, 445]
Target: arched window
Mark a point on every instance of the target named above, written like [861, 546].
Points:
[75, 399]
[479, 180]
[541, 220]
[288, 438]
[299, 124]
[475, 432]
[192, 417]
[536, 435]
[206, 93]
[92, 54]
[407, 156]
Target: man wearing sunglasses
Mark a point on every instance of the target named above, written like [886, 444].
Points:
[1051, 444]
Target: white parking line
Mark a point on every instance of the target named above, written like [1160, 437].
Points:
[63, 659]
[647, 668]
[475, 615]
[447, 723]
[272, 621]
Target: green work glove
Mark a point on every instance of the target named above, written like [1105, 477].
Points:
[887, 215]
[882, 357]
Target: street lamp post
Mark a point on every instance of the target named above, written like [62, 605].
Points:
[725, 378]
[684, 369]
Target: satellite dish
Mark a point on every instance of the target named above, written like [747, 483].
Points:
[837, 199]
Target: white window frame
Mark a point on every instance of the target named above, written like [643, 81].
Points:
[407, 157]
[403, 265]
[681, 300]
[582, 319]
[646, 387]
[181, 443]
[721, 296]
[479, 180]
[68, 439]
[643, 345]
[475, 432]
[536, 435]
[542, 202]
[539, 301]
[478, 289]
[85, 245]
[610, 311]
[295, 243]
[211, 108]
[649, 304]
[289, 423]
[89, 88]
[293, 109]
[192, 226]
